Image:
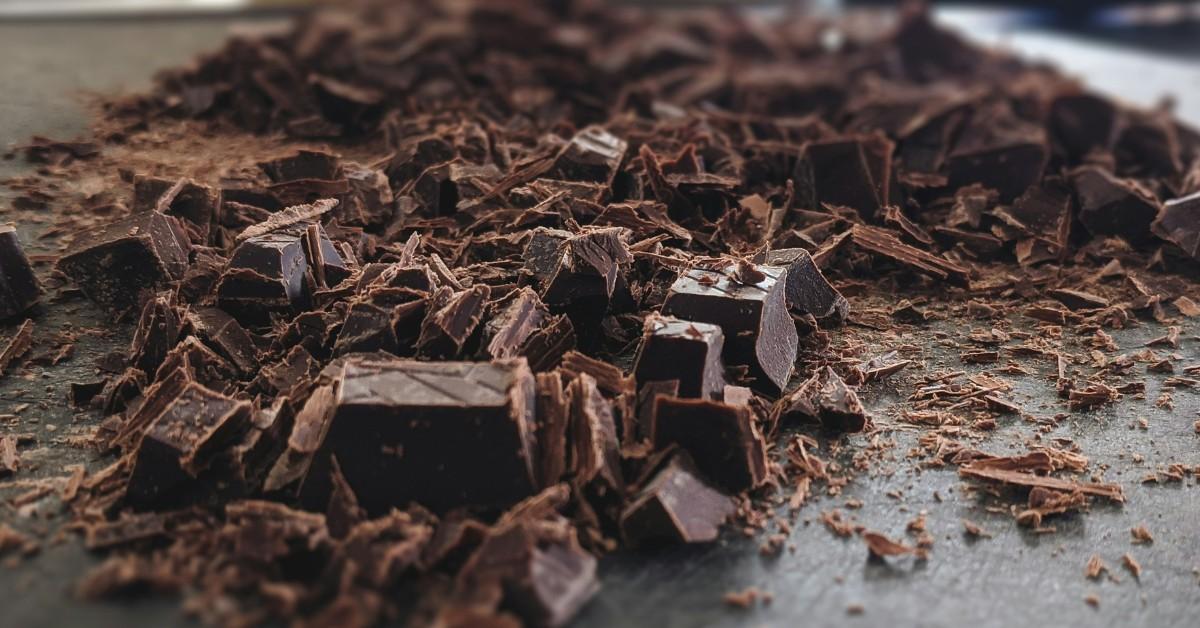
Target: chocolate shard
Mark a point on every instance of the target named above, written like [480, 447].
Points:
[305, 164]
[673, 349]
[593, 154]
[824, 397]
[118, 264]
[545, 348]
[1078, 299]
[596, 457]
[1043, 215]
[1082, 123]
[999, 152]
[445, 331]
[506, 333]
[19, 287]
[1112, 206]
[554, 420]
[180, 441]
[587, 267]
[464, 429]
[758, 331]
[676, 506]
[721, 438]
[884, 243]
[1178, 222]
[156, 334]
[806, 289]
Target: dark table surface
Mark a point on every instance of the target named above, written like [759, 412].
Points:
[1014, 578]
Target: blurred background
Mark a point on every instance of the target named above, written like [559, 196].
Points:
[1142, 52]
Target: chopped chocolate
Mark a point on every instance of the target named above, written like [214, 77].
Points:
[119, 264]
[687, 352]
[227, 337]
[592, 155]
[1178, 222]
[675, 506]
[180, 441]
[825, 397]
[465, 428]
[1112, 206]
[10, 461]
[19, 287]
[806, 288]
[758, 331]
[722, 439]
[156, 334]
[843, 176]
[514, 325]
[446, 330]
[884, 243]
[196, 206]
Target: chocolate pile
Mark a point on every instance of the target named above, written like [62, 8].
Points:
[543, 288]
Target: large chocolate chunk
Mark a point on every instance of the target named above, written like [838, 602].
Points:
[1112, 206]
[722, 439]
[676, 506]
[843, 177]
[806, 289]
[118, 264]
[196, 206]
[1082, 123]
[19, 287]
[689, 352]
[156, 334]
[826, 398]
[750, 308]
[1000, 153]
[442, 434]
[1179, 224]
[181, 440]
[227, 337]
[593, 154]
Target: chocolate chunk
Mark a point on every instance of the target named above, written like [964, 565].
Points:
[587, 266]
[1000, 153]
[196, 206]
[464, 429]
[758, 331]
[596, 456]
[806, 289]
[843, 176]
[1112, 206]
[1043, 215]
[1179, 223]
[676, 506]
[1082, 123]
[688, 352]
[19, 287]
[554, 420]
[826, 398]
[721, 438]
[118, 264]
[546, 347]
[592, 155]
[305, 164]
[180, 441]
[224, 334]
[545, 579]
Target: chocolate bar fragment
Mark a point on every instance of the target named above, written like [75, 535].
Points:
[806, 289]
[843, 177]
[752, 312]
[1082, 123]
[1112, 206]
[508, 331]
[118, 264]
[180, 441]
[446, 330]
[824, 397]
[19, 287]
[676, 506]
[442, 434]
[721, 438]
[230, 339]
[687, 352]
[1179, 223]
[593, 154]
[1000, 153]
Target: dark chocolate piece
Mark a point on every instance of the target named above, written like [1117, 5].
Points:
[1043, 214]
[446, 330]
[19, 287]
[196, 206]
[676, 506]
[180, 441]
[1082, 123]
[884, 243]
[596, 455]
[806, 288]
[1112, 206]
[226, 335]
[673, 349]
[119, 264]
[722, 439]
[1179, 223]
[758, 331]
[826, 398]
[464, 429]
[508, 331]
[843, 176]
[553, 421]
[17, 346]
[999, 152]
